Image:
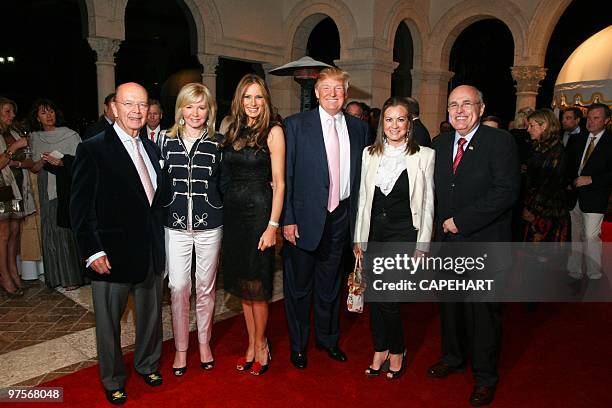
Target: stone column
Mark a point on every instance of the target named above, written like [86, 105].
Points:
[370, 80]
[105, 49]
[209, 74]
[527, 79]
[280, 90]
[430, 88]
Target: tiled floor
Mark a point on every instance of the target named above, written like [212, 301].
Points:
[50, 333]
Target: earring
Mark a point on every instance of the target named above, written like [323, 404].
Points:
[182, 122]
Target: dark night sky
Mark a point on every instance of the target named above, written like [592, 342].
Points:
[55, 61]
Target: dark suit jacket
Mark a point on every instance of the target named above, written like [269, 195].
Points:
[97, 127]
[421, 134]
[481, 194]
[110, 212]
[307, 174]
[594, 197]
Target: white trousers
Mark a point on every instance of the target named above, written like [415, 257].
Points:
[586, 239]
[179, 246]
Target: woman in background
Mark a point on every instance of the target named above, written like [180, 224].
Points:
[16, 199]
[545, 210]
[53, 150]
[254, 188]
[191, 155]
[396, 204]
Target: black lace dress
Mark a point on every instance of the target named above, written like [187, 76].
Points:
[247, 203]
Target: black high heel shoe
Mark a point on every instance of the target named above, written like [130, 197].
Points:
[209, 365]
[179, 372]
[258, 368]
[372, 372]
[394, 375]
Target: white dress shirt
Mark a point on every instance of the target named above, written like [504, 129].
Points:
[345, 149]
[586, 146]
[468, 139]
[155, 135]
[128, 145]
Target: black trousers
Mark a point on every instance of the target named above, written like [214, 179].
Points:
[317, 274]
[385, 318]
[472, 329]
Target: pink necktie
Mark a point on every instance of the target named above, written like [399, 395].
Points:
[153, 136]
[141, 167]
[332, 146]
[459, 154]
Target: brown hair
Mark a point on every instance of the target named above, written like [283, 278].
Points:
[379, 143]
[258, 133]
[546, 116]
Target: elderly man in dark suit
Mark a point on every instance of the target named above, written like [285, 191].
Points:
[105, 120]
[590, 169]
[117, 217]
[476, 182]
[323, 162]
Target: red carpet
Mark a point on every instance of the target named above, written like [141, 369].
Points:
[559, 356]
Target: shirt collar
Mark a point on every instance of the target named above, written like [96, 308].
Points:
[123, 136]
[156, 130]
[324, 115]
[598, 135]
[468, 137]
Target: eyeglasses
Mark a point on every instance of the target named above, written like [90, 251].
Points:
[133, 105]
[467, 105]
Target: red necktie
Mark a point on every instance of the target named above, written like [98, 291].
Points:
[153, 136]
[459, 154]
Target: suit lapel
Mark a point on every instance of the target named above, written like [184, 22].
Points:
[412, 166]
[354, 148]
[313, 127]
[470, 152]
[124, 165]
[599, 150]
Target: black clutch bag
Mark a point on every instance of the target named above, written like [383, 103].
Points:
[6, 194]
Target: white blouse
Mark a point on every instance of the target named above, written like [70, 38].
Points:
[392, 164]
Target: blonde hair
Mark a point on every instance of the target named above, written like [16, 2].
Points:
[333, 73]
[189, 94]
[520, 122]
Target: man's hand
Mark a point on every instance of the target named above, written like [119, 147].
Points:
[583, 181]
[290, 232]
[101, 265]
[449, 226]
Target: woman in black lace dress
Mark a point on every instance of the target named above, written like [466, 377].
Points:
[545, 214]
[253, 174]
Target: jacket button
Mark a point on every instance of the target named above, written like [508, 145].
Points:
[453, 185]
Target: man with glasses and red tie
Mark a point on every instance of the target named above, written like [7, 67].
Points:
[476, 180]
[117, 216]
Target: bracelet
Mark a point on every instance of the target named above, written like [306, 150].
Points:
[8, 153]
[274, 224]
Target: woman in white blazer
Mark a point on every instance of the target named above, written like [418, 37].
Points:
[396, 204]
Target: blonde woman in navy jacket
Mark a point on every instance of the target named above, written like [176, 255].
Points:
[192, 158]
[396, 204]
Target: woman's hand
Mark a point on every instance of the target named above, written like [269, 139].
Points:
[52, 160]
[357, 250]
[268, 238]
[18, 144]
[527, 215]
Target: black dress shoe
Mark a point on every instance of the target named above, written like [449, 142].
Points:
[153, 379]
[335, 353]
[482, 395]
[298, 359]
[117, 396]
[443, 370]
